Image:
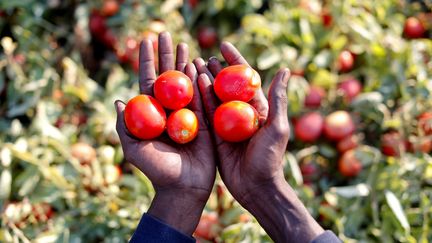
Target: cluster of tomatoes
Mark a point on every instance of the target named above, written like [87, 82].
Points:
[235, 120]
[145, 116]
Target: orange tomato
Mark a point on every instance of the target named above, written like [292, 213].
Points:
[182, 126]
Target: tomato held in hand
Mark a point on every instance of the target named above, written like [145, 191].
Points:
[238, 82]
[182, 126]
[235, 121]
[349, 165]
[145, 118]
[309, 127]
[338, 125]
[173, 89]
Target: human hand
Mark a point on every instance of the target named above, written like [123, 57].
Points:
[252, 170]
[182, 174]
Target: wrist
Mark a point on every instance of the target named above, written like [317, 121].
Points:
[280, 212]
[179, 209]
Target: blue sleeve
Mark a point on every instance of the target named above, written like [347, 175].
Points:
[326, 237]
[151, 230]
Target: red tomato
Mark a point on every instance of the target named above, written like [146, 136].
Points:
[235, 121]
[338, 125]
[110, 8]
[413, 28]
[314, 97]
[345, 61]
[350, 88]
[310, 171]
[420, 145]
[349, 165]
[97, 24]
[348, 143]
[145, 118]
[173, 89]
[309, 127]
[237, 82]
[182, 126]
[392, 144]
[42, 211]
[326, 18]
[425, 122]
[207, 37]
[193, 3]
[208, 226]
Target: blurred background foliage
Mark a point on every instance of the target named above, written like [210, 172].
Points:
[63, 63]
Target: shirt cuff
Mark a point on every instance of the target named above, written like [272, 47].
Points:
[326, 237]
[151, 229]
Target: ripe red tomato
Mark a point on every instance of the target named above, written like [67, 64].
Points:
[349, 165]
[208, 226]
[207, 37]
[425, 122]
[348, 143]
[326, 18]
[314, 97]
[173, 89]
[338, 125]
[345, 61]
[182, 126]
[97, 24]
[309, 127]
[350, 88]
[235, 121]
[310, 171]
[237, 82]
[145, 117]
[110, 8]
[413, 28]
[392, 144]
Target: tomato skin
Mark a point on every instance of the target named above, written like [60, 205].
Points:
[425, 122]
[345, 61]
[413, 28]
[145, 117]
[110, 8]
[349, 165]
[207, 37]
[235, 121]
[348, 143]
[182, 126]
[338, 125]
[392, 144]
[350, 88]
[237, 82]
[173, 89]
[309, 127]
[314, 97]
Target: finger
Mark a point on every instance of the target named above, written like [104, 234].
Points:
[202, 68]
[231, 55]
[147, 73]
[196, 104]
[182, 56]
[260, 103]
[122, 131]
[166, 53]
[214, 66]
[210, 102]
[278, 113]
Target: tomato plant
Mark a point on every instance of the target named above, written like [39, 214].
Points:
[237, 82]
[173, 89]
[182, 126]
[145, 117]
[235, 121]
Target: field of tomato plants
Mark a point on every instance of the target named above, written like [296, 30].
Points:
[360, 111]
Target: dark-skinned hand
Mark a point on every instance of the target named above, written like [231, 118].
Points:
[252, 170]
[182, 175]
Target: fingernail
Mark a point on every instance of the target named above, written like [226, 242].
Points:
[213, 58]
[117, 105]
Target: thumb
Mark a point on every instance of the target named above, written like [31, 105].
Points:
[121, 125]
[278, 101]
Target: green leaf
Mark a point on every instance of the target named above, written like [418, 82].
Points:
[396, 207]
